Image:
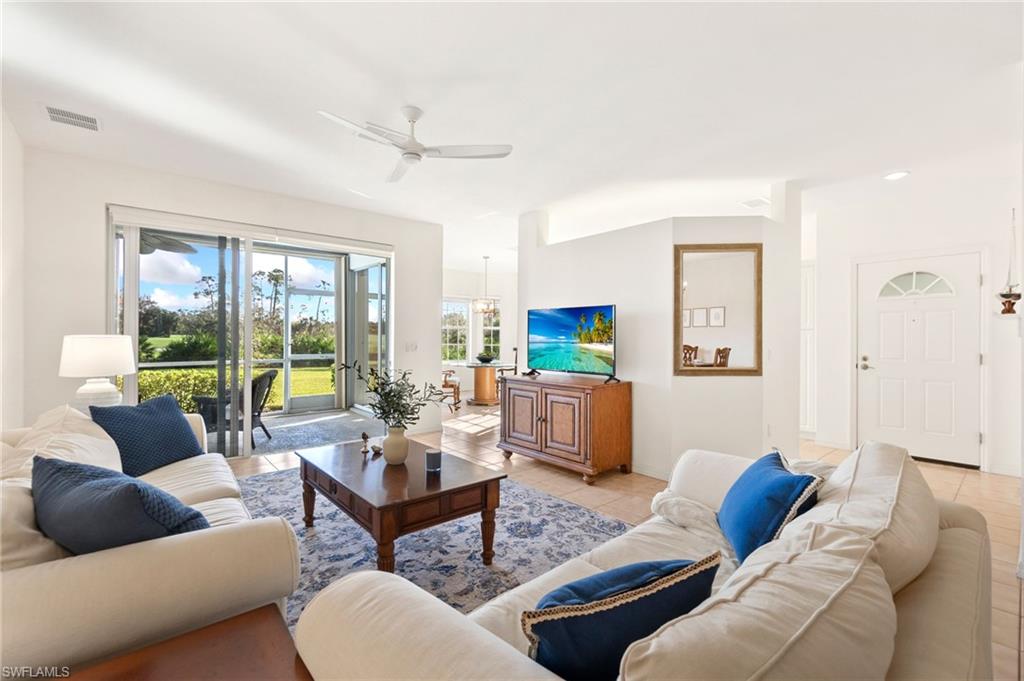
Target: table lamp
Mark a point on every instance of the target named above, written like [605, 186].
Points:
[92, 357]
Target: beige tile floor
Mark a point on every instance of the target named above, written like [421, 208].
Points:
[472, 433]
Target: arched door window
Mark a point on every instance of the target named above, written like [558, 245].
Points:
[913, 284]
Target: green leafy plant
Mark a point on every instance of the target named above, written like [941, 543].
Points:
[393, 398]
[147, 351]
[194, 347]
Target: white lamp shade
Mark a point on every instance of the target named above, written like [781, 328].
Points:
[94, 356]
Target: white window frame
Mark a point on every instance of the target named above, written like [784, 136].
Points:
[469, 327]
[484, 328]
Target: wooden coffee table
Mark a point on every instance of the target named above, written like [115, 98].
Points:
[391, 501]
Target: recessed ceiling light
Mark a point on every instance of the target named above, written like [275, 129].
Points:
[896, 175]
[759, 202]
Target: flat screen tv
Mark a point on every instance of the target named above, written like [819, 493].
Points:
[580, 340]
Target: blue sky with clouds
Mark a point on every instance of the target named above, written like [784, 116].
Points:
[170, 278]
[560, 323]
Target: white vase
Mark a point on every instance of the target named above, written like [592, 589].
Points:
[396, 447]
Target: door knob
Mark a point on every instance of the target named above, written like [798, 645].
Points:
[864, 358]
[865, 366]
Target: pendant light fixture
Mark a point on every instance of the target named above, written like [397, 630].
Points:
[485, 305]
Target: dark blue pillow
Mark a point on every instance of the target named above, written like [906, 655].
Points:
[150, 435]
[761, 501]
[88, 508]
[582, 629]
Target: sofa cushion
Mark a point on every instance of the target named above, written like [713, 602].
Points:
[87, 508]
[581, 629]
[61, 433]
[501, 615]
[149, 435]
[659, 539]
[196, 479]
[763, 499]
[814, 605]
[22, 541]
[228, 511]
[879, 492]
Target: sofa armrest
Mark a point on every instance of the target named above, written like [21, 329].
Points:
[706, 476]
[198, 427]
[952, 514]
[376, 625]
[83, 608]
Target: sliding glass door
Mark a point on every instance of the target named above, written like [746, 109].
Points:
[180, 298]
[240, 329]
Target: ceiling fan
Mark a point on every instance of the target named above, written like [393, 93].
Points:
[412, 150]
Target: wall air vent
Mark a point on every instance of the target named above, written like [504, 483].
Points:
[71, 118]
[757, 203]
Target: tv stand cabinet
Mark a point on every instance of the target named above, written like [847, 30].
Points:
[579, 423]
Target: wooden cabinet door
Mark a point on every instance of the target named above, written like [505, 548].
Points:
[522, 418]
[564, 420]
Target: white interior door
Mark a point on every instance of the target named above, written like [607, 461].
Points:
[918, 355]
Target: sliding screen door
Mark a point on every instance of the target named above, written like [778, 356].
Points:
[367, 343]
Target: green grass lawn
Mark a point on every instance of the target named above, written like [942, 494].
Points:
[305, 381]
[161, 342]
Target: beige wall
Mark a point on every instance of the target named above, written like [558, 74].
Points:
[632, 268]
[66, 252]
[12, 289]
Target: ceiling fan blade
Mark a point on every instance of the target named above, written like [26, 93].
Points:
[469, 151]
[397, 138]
[359, 130]
[399, 171]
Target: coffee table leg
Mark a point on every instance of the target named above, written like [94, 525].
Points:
[308, 499]
[386, 556]
[487, 530]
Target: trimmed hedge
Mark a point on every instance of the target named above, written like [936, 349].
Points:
[184, 384]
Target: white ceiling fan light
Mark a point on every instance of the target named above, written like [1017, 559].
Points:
[412, 151]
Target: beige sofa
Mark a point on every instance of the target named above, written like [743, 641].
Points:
[67, 610]
[878, 580]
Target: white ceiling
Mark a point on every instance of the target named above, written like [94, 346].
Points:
[619, 114]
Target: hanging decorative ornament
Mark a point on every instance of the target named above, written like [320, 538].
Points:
[1010, 295]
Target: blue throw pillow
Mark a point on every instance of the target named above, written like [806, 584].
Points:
[762, 500]
[87, 508]
[582, 629]
[150, 435]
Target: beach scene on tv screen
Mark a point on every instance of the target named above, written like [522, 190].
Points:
[579, 339]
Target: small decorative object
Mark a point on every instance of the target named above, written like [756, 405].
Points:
[686, 318]
[366, 440]
[716, 316]
[377, 450]
[94, 358]
[433, 460]
[485, 358]
[1009, 295]
[397, 402]
[700, 316]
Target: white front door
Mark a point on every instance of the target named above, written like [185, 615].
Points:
[918, 355]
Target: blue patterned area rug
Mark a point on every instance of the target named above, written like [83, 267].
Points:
[535, 532]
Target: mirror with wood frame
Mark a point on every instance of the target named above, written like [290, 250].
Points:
[717, 309]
